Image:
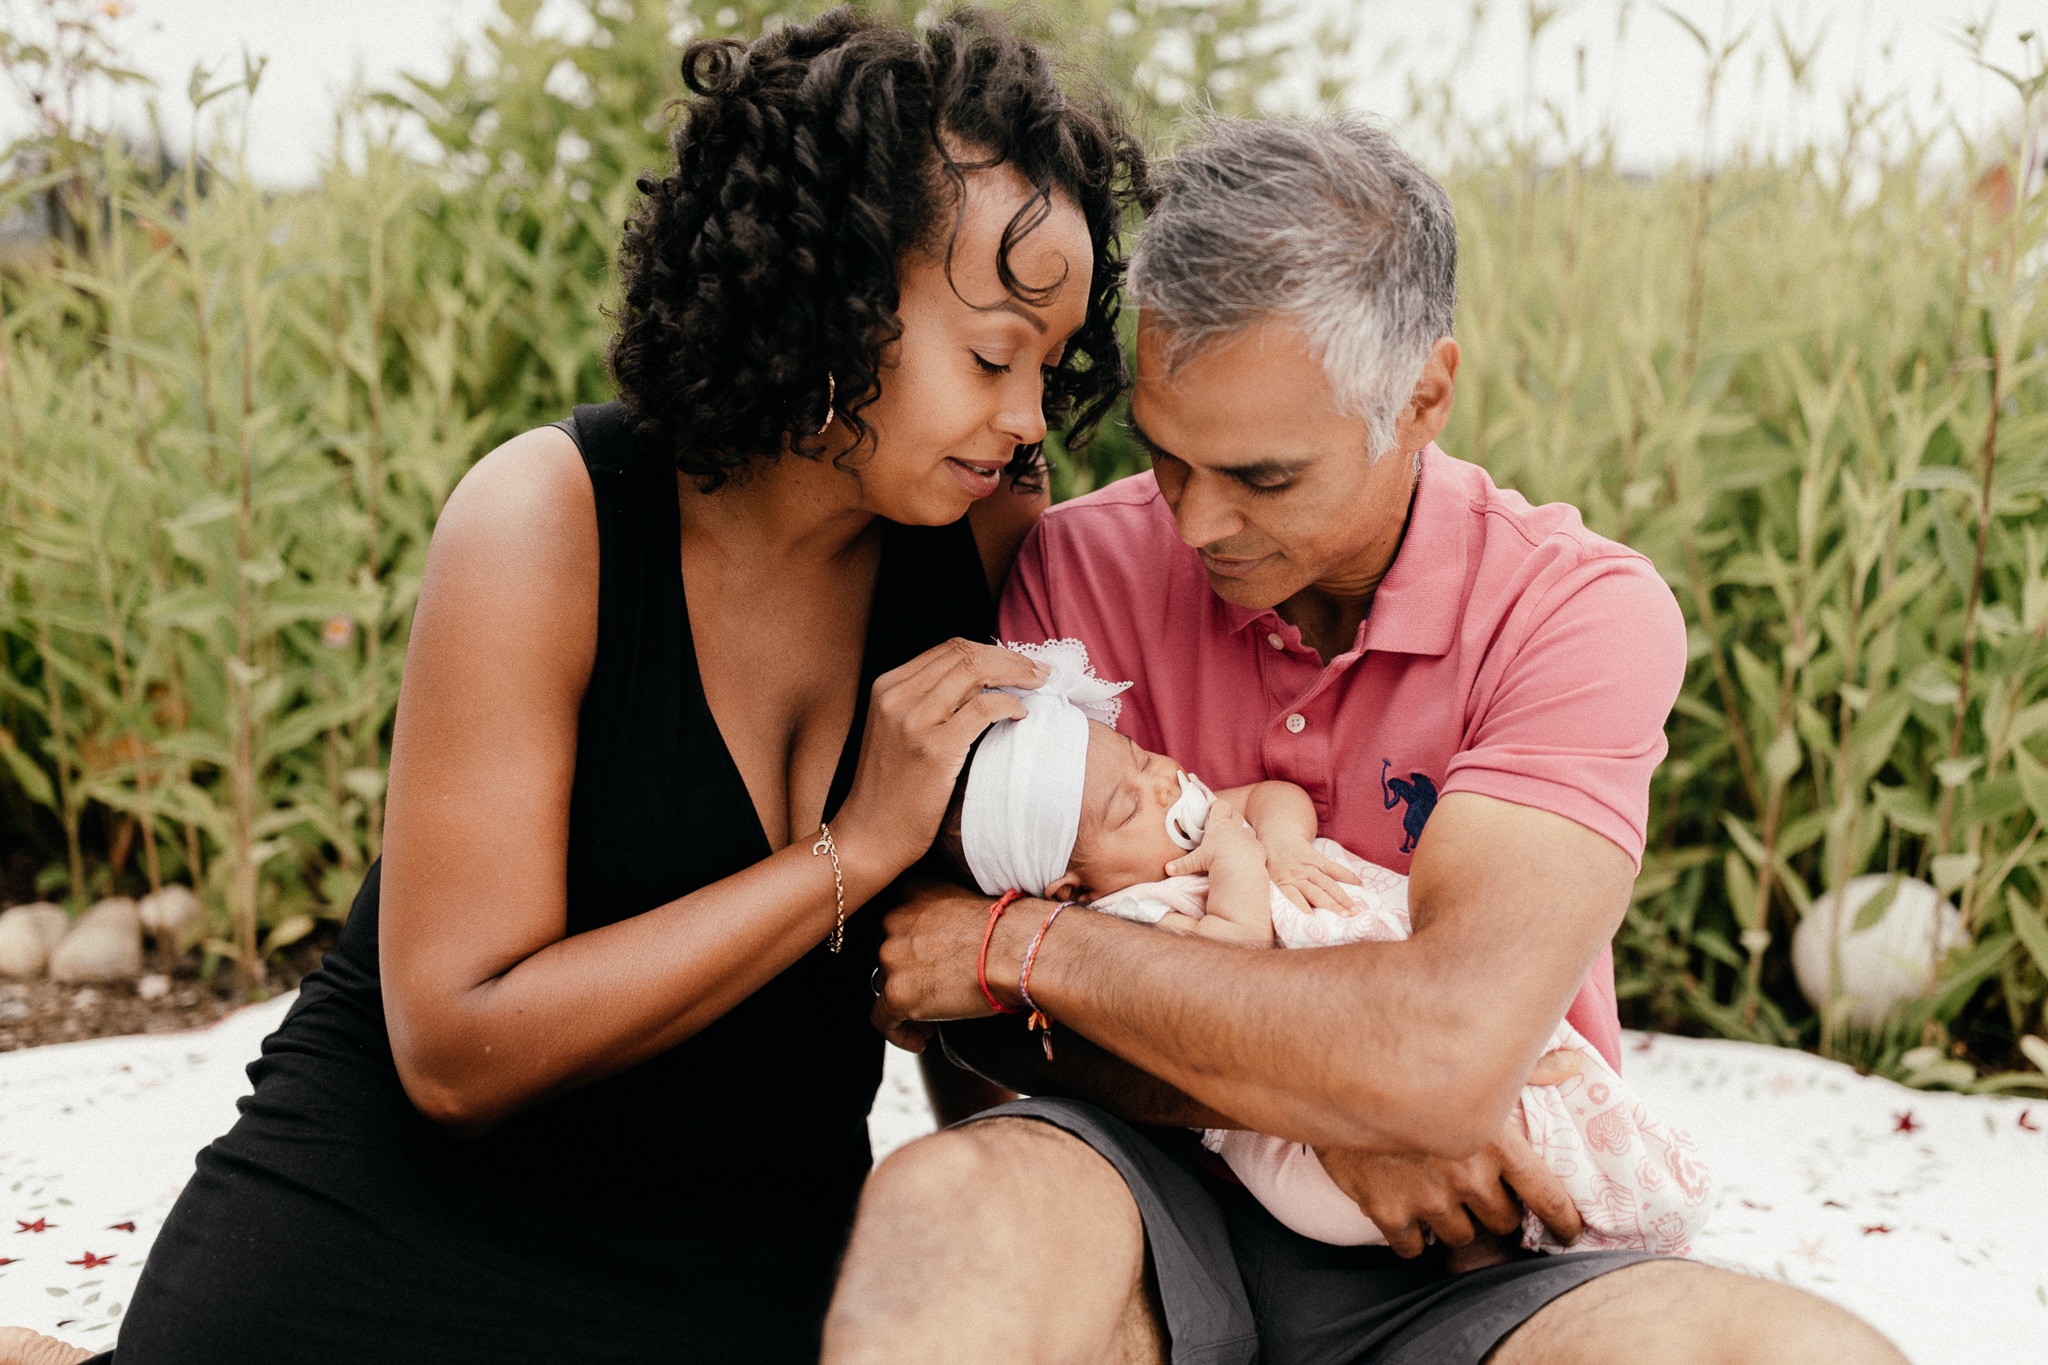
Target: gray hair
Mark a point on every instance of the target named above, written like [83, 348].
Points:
[1323, 222]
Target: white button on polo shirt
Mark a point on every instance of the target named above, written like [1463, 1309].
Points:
[1296, 723]
[1274, 640]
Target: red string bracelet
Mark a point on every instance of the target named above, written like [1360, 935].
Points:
[995, 912]
[1039, 1018]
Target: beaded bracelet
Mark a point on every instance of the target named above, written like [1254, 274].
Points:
[1039, 1018]
[995, 912]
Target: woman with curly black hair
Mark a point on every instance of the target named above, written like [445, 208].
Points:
[689, 683]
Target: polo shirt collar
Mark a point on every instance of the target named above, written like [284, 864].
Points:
[1417, 607]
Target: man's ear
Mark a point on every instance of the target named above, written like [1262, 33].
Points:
[1429, 408]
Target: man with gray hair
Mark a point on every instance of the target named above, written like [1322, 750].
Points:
[1472, 690]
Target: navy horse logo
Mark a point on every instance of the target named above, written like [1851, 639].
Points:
[1420, 794]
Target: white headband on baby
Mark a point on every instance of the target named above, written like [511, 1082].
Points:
[1022, 811]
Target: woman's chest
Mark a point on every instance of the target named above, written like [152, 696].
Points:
[779, 661]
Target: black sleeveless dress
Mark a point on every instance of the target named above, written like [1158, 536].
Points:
[690, 1209]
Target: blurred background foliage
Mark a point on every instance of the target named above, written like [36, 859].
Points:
[1811, 389]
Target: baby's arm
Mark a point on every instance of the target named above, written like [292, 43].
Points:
[1240, 908]
[1285, 818]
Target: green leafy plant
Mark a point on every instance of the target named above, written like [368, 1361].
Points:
[1810, 389]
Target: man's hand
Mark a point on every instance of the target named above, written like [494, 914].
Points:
[927, 973]
[1404, 1195]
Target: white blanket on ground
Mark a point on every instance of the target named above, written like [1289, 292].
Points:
[1936, 1230]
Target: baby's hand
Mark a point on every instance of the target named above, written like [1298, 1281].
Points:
[1307, 878]
[1226, 841]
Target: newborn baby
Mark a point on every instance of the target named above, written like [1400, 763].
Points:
[1062, 806]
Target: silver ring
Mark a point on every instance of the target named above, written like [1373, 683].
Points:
[875, 982]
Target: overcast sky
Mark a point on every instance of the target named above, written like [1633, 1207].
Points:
[1621, 65]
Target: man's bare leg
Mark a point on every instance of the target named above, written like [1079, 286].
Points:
[19, 1346]
[1682, 1311]
[1003, 1241]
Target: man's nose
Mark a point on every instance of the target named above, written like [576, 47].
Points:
[1200, 516]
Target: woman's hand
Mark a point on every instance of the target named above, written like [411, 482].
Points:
[922, 719]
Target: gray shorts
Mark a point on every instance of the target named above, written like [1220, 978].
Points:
[1238, 1287]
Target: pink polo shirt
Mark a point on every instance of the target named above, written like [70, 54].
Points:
[1509, 652]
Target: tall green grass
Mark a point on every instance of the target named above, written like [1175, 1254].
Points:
[1811, 391]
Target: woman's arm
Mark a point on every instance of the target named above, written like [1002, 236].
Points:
[491, 1008]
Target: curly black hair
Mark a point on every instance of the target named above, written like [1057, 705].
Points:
[808, 166]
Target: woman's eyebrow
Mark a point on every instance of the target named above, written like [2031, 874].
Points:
[1012, 306]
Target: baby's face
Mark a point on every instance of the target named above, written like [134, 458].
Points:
[1123, 838]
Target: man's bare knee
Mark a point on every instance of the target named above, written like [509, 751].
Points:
[1684, 1311]
[966, 1240]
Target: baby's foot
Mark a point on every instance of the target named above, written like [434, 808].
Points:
[1552, 1068]
[19, 1346]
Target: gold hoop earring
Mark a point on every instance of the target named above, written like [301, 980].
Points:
[831, 403]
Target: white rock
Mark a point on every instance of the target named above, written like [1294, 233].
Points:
[27, 934]
[1885, 964]
[105, 945]
[175, 913]
[155, 986]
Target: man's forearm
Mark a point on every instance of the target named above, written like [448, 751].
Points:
[1004, 1051]
[1252, 1034]
[1419, 1046]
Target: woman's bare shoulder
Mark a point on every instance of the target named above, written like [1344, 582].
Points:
[515, 553]
[534, 484]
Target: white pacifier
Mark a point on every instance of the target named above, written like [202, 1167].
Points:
[1189, 814]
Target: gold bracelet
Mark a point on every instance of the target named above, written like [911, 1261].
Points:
[837, 940]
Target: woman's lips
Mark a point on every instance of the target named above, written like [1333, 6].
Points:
[978, 477]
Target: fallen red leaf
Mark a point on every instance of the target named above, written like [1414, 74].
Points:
[40, 1225]
[1903, 1123]
[1877, 1228]
[8, 1260]
[90, 1261]
[2027, 1121]
[121, 1227]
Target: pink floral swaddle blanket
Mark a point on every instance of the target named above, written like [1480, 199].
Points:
[1638, 1183]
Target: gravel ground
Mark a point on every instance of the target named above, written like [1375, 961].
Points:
[33, 1013]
